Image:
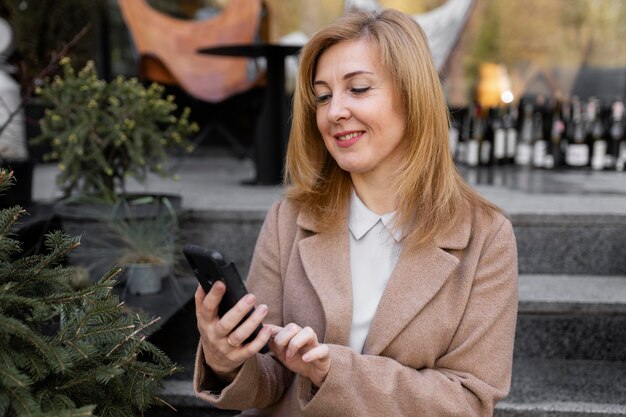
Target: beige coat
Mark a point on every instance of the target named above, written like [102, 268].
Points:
[440, 344]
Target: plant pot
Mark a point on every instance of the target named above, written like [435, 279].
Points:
[96, 252]
[145, 279]
[21, 193]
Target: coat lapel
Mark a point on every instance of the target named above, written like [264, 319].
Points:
[326, 261]
[416, 279]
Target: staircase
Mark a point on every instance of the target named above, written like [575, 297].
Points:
[570, 347]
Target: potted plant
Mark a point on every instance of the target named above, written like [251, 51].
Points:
[143, 247]
[66, 351]
[102, 133]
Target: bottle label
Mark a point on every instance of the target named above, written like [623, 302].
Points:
[524, 154]
[485, 152]
[472, 153]
[577, 155]
[599, 160]
[453, 140]
[621, 159]
[540, 150]
[499, 144]
[511, 143]
[461, 155]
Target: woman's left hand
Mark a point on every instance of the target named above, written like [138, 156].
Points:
[299, 350]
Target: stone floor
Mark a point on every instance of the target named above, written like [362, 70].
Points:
[212, 179]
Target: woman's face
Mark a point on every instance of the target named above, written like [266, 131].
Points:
[359, 111]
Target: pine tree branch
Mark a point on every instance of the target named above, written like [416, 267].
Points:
[133, 334]
[161, 400]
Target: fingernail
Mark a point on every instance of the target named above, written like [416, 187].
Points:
[249, 299]
[262, 309]
[306, 357]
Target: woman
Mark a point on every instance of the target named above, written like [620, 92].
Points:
[387, 286]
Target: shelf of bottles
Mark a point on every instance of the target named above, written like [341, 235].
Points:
[543, 134]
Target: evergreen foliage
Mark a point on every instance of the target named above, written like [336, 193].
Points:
[102, 133]
[67, 352]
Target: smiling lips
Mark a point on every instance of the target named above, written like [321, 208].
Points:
[348, 139]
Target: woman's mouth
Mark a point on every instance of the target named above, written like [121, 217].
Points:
[348, 139]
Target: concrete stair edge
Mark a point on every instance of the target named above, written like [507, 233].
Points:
[566, 293]
[565, 408]
[179, 393]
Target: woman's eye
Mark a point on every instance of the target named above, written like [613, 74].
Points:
[360, 90]
[322, 98]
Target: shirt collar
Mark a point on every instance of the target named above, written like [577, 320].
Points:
[362, 219]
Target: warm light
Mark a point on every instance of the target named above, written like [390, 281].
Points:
[507, 97]
[493, 81]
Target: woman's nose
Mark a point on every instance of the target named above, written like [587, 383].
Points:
[338, 110]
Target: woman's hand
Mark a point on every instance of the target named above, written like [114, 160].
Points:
[221, 342]
[299, 350]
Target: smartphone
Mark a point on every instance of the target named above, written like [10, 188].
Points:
[209, 266]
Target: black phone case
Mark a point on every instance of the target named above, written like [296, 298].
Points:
[208, 265]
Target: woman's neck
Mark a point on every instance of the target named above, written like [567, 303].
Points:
[378, 196]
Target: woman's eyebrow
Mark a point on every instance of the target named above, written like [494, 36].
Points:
[345, 77]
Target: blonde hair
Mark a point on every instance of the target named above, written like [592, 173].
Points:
[430, 193]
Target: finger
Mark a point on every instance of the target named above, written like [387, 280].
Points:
[212, 300]
[318, 353]
[305, 338]
[274, 328]
[199, 298]
[245, 329]
[259, 342]
[233, 317]
[284, 336]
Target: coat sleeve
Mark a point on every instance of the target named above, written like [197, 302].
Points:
[467, 380]
[262, 380]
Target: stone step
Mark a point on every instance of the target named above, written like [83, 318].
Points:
[550, 243]
[539, 388]
[572, 317]
[563, 322]
[560, 317]
[565, 388]
[542, 293]
[571, 243]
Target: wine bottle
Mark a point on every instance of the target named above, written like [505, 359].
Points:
[486, 144]
[523, 153]
[476, 136]
[616, 132]
[577, 154]
[453, 135]
[540, 144]
[598, 142]
[499, 138]
[510, 128]
[621, 158]
[557, 131]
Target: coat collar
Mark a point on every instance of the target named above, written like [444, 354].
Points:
[416, 279]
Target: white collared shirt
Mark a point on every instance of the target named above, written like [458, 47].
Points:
[374, 250]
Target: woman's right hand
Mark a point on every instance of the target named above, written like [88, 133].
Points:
[221, 342]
